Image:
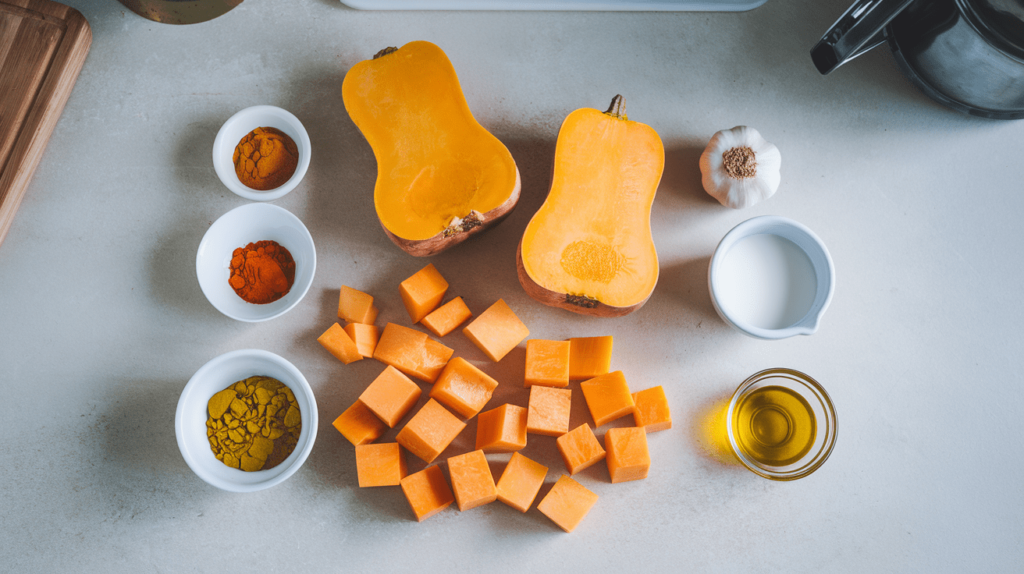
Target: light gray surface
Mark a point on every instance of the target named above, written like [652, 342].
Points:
[102, 321]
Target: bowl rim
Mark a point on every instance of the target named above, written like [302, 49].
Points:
[807, 325]
[228, 176]
[831, 426]
[309, 425]
[289, 216]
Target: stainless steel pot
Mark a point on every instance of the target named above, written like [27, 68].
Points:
[965, 54]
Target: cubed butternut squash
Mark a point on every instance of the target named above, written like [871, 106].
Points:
[463, 388]
[549, 411]
[520, 482]
[422, 292]
[651, 411]
[589, 357]
[364, 336]
[496, 331]
[547, 363]
[380, 464]
[607, 397]
[356, 307]
[628, 457]
[390, 396]
[580, 449]
[427, 492]
[430, 431]
[359, 425]
[502, 429]
[472, 480]
[337, 341]
[447, 317]
[567, 503]
[412, 352]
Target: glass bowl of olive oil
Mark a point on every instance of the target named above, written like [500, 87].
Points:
[781, 424]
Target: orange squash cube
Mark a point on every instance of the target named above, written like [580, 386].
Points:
[427, 492]
[463, 388]
[437, 357]
[364, 336]
[390, 396]
[422, 292]
[589, 357]
[430, 431]
[549, 411]
[502, 429]
[607, 397]
[628, 458]
[496, 331]
[580, 449]
[380, 464]
[520, 482]
[412, 352]
[547, 363]
[359, 425]
[356, 307]
[472, 480]
[567, 503]
[447, 317]
[337, 341]
[652, 411]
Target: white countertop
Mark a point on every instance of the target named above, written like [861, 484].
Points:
[102, 321]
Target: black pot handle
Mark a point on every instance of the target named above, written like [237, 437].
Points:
[858, 30]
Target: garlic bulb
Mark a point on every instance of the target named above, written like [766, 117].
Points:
[740, 168]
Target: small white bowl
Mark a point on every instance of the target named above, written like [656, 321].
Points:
[191, 415]
[241, 124]
[806, 241]
[237, 228]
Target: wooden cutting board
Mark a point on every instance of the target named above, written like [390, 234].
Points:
[42, 48]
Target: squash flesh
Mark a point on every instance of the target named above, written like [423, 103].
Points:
[592, 236]
[435, 162]
[359, 425]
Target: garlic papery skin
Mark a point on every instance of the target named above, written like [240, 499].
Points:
[740, 168]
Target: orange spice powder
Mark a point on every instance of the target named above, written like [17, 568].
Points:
[265, 159]
[262, 272]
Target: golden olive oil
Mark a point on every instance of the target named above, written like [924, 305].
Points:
[774, 426]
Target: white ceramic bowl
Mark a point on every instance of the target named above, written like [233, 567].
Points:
[239, 227]
[244, 122]
[217, 375]
[803, 238]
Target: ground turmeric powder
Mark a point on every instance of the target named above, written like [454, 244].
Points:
[265, 159]
[262, 272]
[254, 424]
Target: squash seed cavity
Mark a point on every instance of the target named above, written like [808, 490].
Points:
[440, 194]
[591, 261]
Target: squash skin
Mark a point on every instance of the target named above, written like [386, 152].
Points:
[387, 98]
[565, 190]
[444, 240]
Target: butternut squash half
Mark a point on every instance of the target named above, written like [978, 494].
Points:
[441, 177]
[589, 248]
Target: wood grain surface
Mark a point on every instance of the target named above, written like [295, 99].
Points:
[43, 45]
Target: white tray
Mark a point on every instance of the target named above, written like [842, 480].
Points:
[604, 5]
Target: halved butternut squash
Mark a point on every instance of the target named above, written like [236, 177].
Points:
[589, 248]
[441, 177]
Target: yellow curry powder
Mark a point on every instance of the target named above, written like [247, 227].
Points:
[253, 424]
[265, 158]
